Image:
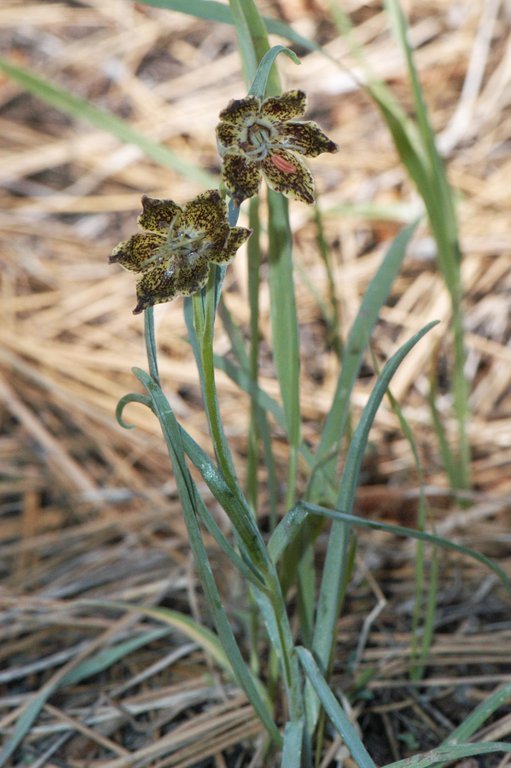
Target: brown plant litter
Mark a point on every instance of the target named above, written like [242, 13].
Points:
[89, 512]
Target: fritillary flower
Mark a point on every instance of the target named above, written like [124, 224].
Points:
[178, 246]
[264, 138]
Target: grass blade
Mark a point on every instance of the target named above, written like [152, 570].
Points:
[335, 425]
[293, 740]
[334, 571]
[189, 499]
[80, 109]
[259, 83]
[284, 326]
[480, 715]
[451, 754]
[210, 10]
[334, 710]
[397, 530]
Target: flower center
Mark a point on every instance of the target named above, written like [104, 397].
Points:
[185, 245]
[260, 136]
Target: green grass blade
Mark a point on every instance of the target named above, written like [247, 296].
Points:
[247, 533]
[335, 425]
[439, 201]
[189, 497]
[81, 110]
[293, 741]
[412, 533]
[335, 712]
[480, 715]
[249, 55]
[259, 83]
[284, 326]
[429, 614]
[332, 317]
[246, 376]
[210, 10]
[185, 625]
[451, 754]
[448, 460]
[254, 554]
[328, 604]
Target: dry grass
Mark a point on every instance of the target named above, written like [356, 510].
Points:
[89, 511]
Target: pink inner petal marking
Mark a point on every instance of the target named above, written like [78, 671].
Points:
[282, 164]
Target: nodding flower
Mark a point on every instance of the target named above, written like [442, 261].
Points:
[264, 139]
[178, 246]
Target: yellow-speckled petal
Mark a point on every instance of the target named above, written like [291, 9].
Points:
[306, 138]
[241, 176]
[238, 110]
[157, 215]
[139, 252]
[166, 281]
[207, 213]
[280, 108]
[227, 135]
[287, 173]
[235, 239]
[192, 278]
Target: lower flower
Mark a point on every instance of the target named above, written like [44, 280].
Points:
[175, 252]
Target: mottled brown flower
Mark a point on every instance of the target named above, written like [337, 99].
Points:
[265, 138]
[178, 246]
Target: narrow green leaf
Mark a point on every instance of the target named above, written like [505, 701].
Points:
[284, 325]
[248, 52]
[189, 497]
[397, 530]
[480, 715]
[204, 307]
[334, 711]
[210, 10]
[248, 535]
[451, 754]
[204, 637]
[132, 397]
[334, 570]
[374, 298]
[293, 741]
[439, 200]
[258, 87]
[80, 109]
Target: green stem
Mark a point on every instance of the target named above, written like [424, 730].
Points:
[150, 340]
[254, 263]
[204, 319]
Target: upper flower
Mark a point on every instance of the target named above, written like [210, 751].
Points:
[175, 252]
[255, 137]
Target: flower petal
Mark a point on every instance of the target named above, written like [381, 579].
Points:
[157, 215]
[166, 281]
[227, 134]
[138, 254]
[206, 214]
[235, 239]
[306, 138]
[241, 176]
[287, 173]
[238, 110]
[280, 108]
